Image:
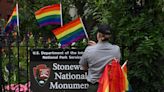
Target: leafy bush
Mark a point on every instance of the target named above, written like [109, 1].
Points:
[137, 27]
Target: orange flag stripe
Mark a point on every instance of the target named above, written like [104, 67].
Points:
[67, 26]
[48, 9]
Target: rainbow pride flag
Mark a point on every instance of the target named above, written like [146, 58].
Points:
[104, 80]
[114, 78]
[71, 32]
[12, 22]
[126, 85]
[49, 15]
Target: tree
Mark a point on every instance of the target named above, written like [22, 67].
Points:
[137, 27]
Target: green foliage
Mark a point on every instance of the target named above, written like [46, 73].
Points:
[137, 27]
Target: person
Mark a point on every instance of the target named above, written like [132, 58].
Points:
[97, 55]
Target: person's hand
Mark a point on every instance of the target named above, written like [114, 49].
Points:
[91, 43]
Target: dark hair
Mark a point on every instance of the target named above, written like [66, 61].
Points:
[104, 29]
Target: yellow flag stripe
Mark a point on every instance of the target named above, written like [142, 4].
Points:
[48, 14]
[68, 31]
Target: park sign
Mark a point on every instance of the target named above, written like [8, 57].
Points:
[57, 70]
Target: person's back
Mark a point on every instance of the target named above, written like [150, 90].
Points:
[96, 56]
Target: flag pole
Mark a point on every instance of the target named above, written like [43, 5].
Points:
[61, 19]
[61, 13]
[18, 34]
[124, 64]
[84, 30]
[17, 18]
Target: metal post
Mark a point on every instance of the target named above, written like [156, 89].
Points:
[26, 39]
[9, 57]
[1, 62]
[2, 82]
[18, 41]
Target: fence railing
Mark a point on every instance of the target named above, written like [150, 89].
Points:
[14, 60]
[14, 64]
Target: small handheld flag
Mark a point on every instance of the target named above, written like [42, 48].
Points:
[114, 78]
[126, 85]
[12, 22]
[49, 15]
[71, 32]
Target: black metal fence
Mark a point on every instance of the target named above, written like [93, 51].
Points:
[14, 60]
[14, 64]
